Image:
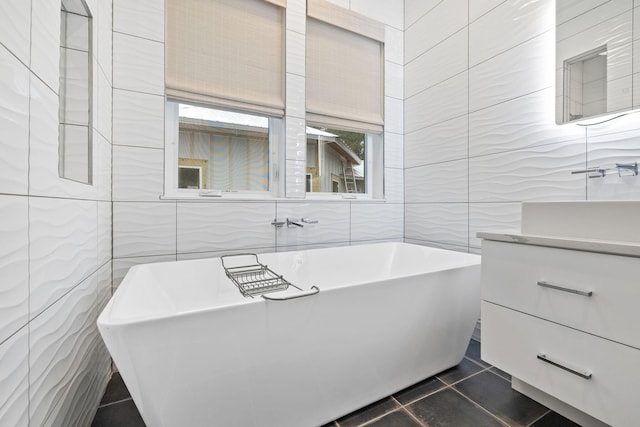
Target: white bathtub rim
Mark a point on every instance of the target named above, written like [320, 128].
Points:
[106, 319]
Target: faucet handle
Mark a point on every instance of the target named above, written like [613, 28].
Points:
[309, 220]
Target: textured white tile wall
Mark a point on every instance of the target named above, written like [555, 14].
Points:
[14, 264]
[14, 121]
[207, 227]
[14, 379]
[55, 257]
[500, 130]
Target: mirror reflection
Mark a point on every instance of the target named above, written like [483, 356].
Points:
[594, 58]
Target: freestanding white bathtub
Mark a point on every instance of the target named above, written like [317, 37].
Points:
[194, 352]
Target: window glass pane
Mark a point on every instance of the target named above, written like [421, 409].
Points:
[335, 160]
[230, 149]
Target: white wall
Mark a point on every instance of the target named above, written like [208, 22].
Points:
[147, 229]
[55, 250]
[480, 132]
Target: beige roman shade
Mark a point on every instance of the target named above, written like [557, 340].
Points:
[344, 68]
[227, 53]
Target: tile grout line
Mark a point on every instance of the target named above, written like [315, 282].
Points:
[539, 418]
[491, 414]
[116, 402]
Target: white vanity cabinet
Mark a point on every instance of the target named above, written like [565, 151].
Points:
[565, 323]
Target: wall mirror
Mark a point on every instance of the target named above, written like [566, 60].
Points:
[595, 56]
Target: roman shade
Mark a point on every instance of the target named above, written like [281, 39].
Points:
[227, 53]
[344, 68]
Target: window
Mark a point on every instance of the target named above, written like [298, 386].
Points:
[309, 183]
[225, 85]
[222, 150]
[74, 135]
[344, 100]
[336, 160]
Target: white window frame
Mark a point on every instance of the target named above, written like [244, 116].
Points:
[374, 173]
[171, 154]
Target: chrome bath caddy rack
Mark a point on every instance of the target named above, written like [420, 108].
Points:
[258, 279]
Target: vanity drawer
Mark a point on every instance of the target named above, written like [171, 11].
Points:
[512, 341]
[513, 275]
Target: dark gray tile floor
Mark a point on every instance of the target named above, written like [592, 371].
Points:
[473, 394]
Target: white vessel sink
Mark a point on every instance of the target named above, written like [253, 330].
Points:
[617, 221]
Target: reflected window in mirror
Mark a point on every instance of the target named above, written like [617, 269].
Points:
[585, 80]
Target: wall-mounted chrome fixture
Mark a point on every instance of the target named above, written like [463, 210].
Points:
[596, 172]
[293, 222]
[278, 224]
[624, 169]
[627, 169]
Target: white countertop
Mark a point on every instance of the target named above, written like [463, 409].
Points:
[589, 245]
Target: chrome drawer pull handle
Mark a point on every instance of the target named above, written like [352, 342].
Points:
[562, 288]
[584, 374]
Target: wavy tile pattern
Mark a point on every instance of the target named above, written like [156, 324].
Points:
[538, 173]
[122, 265]
[14, 265]
[104, 100]
[438, 183]
[442, 142]
[14, 380]
[296, 17]
[296, 139]
[524, 69]
[14, 122]
[14, 33]
[441, 102]
[393, 78]
[141, 229]
[427, 70]
[438, 245]
[492, 217]
[138, 64]
[445, 223]
[446, 18]
[524, 122]
[44, 179]
[295, 96]
[394, 45]
[56, 239]
[62, 247]
[102, 167]
[45, 36]
[104, 36]
[142, 18]
[606, 150]
[393, 115]
[379, 221]
[138, 119]
[518, 22]
[295, 55]
[332, 225]
[206, 227]
[59, 340]
[393, 185]
[138, 173]
[380, 11]
[477, 8]
[393, 150]
[104, 230]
